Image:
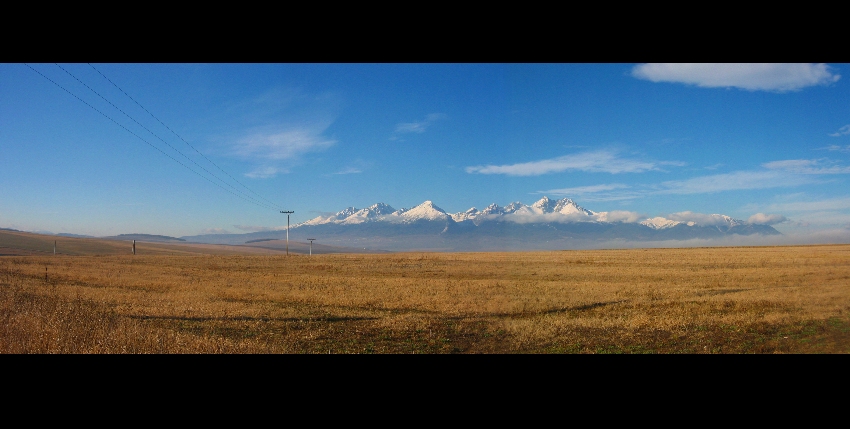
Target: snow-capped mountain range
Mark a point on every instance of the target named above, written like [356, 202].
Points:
[543, 210]
[545, 224]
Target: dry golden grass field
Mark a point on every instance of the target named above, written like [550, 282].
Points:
[738, 300]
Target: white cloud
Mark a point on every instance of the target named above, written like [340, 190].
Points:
[581, 190]
[418, 126]
[620, 216]
[738, 180]
[349, 170]
[609, 192]
[353, 166]
[544, 217]
[282, 145]
[807, 166]
[843, 131]
[766, 219]
[842, 203]
[265, 172]
[599, 161]
[699, 218]
[748, 76]
[411, 127]
[837, 148]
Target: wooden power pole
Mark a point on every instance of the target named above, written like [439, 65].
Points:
[287, 229]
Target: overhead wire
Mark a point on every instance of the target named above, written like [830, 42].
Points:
[158, 137]
[178, 136]
[147, 142]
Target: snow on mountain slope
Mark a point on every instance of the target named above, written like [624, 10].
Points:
[467, 215]
[564, 206]
[373, 212]
[334, 218]
[567, 206]
[726, 220]
[426, 210]
[661, 223]
[544, 205]
[518, 208]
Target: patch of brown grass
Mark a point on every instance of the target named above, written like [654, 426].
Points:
[791, 299]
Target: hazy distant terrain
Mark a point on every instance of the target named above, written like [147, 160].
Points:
[19, 243]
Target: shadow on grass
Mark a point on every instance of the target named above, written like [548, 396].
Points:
[253, 319]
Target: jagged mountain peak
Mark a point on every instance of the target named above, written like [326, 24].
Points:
[427, 210]
[544, 205]
[344, 213]
[381, 208]
[493, 209]
[568, 206]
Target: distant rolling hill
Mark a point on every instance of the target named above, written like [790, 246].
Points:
[304, 247]
[144, 237]
[19, 243]
[25, 243]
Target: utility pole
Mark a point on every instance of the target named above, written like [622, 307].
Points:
[54, 247]
[311, 245]
[134, 247]
[287, 229]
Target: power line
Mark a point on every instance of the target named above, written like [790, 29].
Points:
[149, 144]
[178, 136]
[152, 133]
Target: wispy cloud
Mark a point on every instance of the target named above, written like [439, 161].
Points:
[751, 77]
[581, 190]
[766, 219]
[841, 203]
[281, 145]
[355, 166]
[776, 174]
[278, 128]
[738, 180]
[808, 166]
[265, 172]
[837, 148]
[417, 126]
[349, 170]
[607, 192]
[843, 131]
[603, 161]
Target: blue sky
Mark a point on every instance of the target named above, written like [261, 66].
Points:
[185, 149]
